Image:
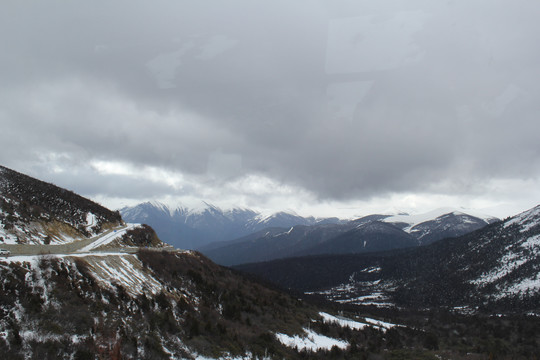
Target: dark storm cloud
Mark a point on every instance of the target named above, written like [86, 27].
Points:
[346, 98]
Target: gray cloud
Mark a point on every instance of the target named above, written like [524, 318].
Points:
[346, 99]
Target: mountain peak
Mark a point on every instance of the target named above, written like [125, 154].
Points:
[194, 227]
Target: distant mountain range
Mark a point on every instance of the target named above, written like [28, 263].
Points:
[495, 268]
[187, 228]
[367, 234]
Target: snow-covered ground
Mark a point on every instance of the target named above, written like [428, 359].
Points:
[520, 252]
[107, 268]
[310, 340]
[526, 219]
[248, 356]
[126, 270]
[356, 325]
[343, 322]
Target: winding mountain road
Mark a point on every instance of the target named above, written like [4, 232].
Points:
[76, 247]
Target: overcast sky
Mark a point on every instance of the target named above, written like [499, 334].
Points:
[322, 107]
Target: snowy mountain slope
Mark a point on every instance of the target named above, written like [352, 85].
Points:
[439, 224]
[413, 220]
[516, 269]
[496, 267]
[194, 228]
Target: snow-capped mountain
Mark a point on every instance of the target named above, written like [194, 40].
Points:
[496, 268]
[439, 224]
[188, 228]
[366, 234]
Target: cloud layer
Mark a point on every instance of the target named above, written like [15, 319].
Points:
[321, 102]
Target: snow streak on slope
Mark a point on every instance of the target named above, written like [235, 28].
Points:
[356, 325]
[123, 270]
[311, 341]
[108, 269]
[517, 255]
[526, 220]
[343, 322]
[522, 250]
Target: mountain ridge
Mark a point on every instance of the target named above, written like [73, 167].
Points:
[191, 229]
[369, 233]
[496, 267]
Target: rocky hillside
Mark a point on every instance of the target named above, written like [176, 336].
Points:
[35, 212]
[148, 305]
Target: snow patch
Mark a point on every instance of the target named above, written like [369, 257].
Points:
[311, 341]
[227, 356]
[90, 220]
[123, 270]
[343, 322]
[512, 260]
[370, 270]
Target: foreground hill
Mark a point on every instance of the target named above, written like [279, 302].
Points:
[496, 268]
[148, 305]
[367, 234]
[36, 212]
